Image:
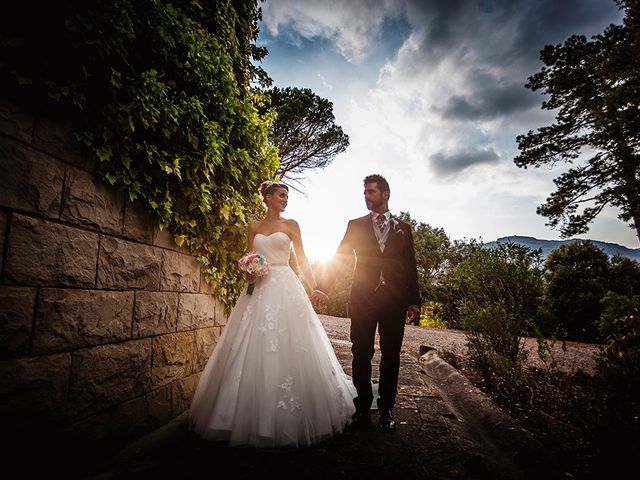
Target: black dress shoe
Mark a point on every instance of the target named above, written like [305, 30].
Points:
[360, 418]
[387, 422]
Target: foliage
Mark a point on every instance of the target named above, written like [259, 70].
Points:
[501, 290]
[304, 131]
[624, 275]
[576, 277]
[447, 291]
[616, 307]
[432, 250]
[436, 258]
[595, 88]
[432, 315]
[619, 364]
[163, 91]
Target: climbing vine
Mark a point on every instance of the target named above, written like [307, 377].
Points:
[167, 97]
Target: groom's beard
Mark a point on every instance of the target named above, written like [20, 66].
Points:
[371, 205]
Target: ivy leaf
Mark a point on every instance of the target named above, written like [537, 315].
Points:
[112, 179]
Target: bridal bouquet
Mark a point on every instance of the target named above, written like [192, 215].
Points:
[255, 264]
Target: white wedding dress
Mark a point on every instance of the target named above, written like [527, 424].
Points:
[273, 378]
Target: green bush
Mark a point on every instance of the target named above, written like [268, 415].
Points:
[432, 315]
[500, 292]
[619, 364]
[619, 369]
[163, 96]
[577, 275]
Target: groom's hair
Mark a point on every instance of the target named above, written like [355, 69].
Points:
[383, 185]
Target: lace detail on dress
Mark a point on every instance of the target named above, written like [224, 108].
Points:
[288, 401]
[271, 328]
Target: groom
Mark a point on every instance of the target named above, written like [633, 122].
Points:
[384, 292]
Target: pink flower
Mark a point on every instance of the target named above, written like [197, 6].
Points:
[255, 264]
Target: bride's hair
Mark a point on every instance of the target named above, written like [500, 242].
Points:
[268, 187]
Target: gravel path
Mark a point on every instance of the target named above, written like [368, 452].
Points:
[570, 357]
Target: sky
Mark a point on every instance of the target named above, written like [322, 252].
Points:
[432, 96]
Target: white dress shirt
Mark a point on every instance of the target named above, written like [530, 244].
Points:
[384, 235]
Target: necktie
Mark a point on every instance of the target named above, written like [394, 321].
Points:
[380, 222]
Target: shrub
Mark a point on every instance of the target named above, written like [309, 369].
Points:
[619, 372]
[576, 276]
[619, 363]
[501, 290]
[432, 316]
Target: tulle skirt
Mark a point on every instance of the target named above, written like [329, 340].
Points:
[273, 378]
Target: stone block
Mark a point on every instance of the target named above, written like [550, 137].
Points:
[172, 356]
[4, 219]
[40, 252]
[134, 418]
[164, 238]
[15, 121]
[30, 180]
[221, 316]
[57, 138]
[16, 320]
[155, 313]
[138, 222]
[88, 201]
[182, 394]
[206, 340]
[128, 265]
[196, 311]
[179, 273]
[205, 287]
[67, 319]
[34, 389]
[94, 429]
[104, 376]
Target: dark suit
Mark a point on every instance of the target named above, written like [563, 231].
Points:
[374, 304]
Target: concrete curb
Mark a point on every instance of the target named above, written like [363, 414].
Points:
[484, 420]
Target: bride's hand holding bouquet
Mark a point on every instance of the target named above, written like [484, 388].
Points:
[255, 265]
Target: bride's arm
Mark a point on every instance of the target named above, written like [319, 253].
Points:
[251, 232]
[305, 268]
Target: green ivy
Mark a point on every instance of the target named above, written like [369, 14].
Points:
[168, 105]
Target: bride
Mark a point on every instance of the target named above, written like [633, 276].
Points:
[273, 378]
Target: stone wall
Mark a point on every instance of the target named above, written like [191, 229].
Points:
[105, 323]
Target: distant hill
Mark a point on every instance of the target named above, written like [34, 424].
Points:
[547, 246]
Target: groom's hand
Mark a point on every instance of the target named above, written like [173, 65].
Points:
[413, 314]
[318, 298]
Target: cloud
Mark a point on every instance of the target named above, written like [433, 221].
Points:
[449, 164]
[489, 101]
[352, 27]
[431, 104]
[324, 82]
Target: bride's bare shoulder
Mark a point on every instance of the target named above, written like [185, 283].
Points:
[292, 225]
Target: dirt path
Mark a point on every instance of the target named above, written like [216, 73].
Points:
[569, 356]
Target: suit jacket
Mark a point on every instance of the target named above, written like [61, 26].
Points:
[397, 263]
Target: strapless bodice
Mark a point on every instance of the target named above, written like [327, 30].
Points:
[275, 247]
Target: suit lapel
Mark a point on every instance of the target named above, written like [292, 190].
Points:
[368, 229]
[395, 234]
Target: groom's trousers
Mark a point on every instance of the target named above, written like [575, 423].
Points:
[380, 310]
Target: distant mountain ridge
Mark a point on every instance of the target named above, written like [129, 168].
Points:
[547, 246]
